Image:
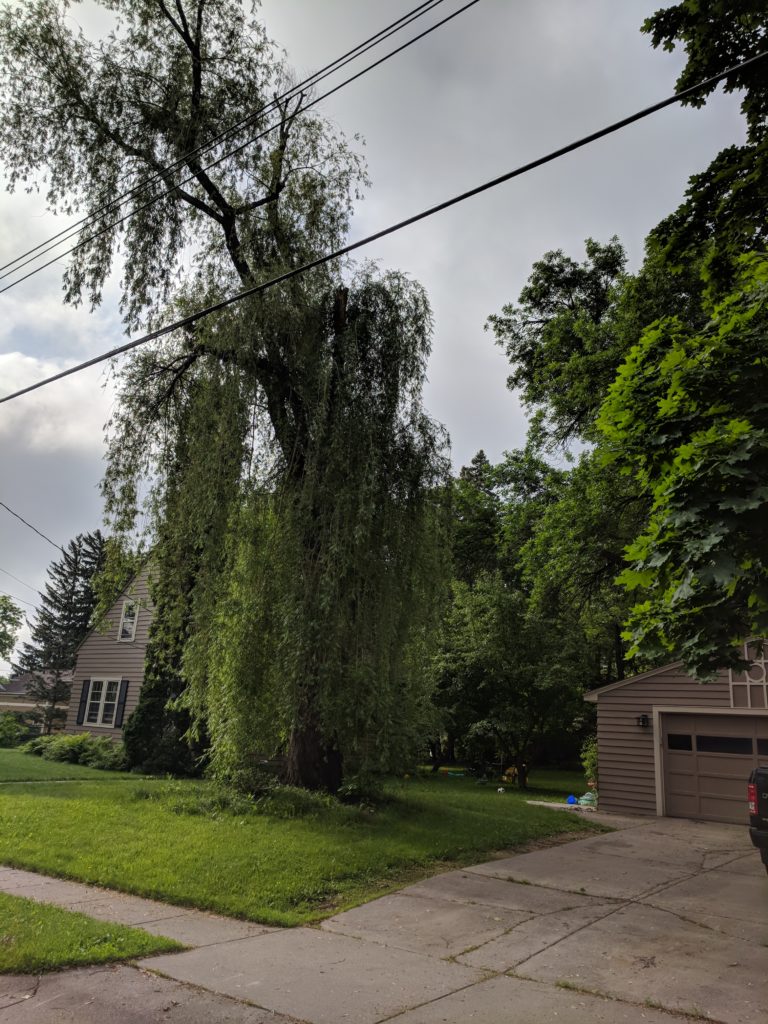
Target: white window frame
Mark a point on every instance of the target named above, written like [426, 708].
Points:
[99, 724]
[756, 675]
[128, 603]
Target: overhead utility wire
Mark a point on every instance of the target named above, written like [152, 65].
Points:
[31, 527]
[158, 176]
[13, 598]
[232, 152]
[517, 172]
[29, 585]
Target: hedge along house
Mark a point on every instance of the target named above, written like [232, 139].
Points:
[109, 668]
[669, 745]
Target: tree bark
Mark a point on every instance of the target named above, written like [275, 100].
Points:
[313, 763]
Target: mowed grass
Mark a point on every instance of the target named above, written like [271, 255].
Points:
[18, 767]
[555, 784]
[166, 840]
[38, 937]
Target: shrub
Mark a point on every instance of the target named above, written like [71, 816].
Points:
[82, 748]
[36, 746]
[12, 730]
[589, 758]
[106, 754]
[66, 748]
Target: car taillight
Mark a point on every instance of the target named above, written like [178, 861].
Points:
[752, 797]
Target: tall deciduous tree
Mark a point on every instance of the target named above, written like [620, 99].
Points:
[308, 394]
[10, 620]
[727, 201]
[507, 678]
[688, 416]
[560, 339]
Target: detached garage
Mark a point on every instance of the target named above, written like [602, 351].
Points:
[669, 745]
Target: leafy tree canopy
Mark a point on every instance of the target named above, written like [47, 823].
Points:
[10, 620]
[300, 409]
[505, 676]
[571, 560]
[688, 415]
[558, 338]
[728, 200]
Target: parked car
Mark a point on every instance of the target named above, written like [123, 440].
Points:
[757, 795]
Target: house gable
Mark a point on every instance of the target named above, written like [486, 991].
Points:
[109, 670]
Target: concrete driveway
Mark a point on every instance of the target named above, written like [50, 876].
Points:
[662, 916]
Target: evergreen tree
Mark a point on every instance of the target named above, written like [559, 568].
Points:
[61, 623]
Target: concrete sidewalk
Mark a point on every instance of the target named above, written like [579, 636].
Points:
[662, 916]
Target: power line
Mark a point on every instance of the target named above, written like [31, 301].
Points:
[431, 211]
[18, 599]
[31, 527]
[29, 585]
[159, 176]
[226, 156]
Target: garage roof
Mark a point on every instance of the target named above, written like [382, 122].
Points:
[592, 695]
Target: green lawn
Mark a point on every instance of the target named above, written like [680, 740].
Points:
[38, 937]
[555, 784]
[18, 767]
[171, 840]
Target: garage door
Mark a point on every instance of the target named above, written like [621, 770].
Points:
[706, 764]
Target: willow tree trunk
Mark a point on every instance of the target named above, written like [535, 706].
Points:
[313, 763]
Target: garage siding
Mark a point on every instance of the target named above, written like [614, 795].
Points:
[102, 655]
[627, 780]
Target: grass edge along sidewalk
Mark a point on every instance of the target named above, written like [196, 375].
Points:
[37, 937]
[295, 859]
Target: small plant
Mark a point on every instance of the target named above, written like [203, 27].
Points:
[12, 731]
[66, 748]
[589, 760]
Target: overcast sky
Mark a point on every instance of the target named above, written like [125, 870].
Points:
[501, 84]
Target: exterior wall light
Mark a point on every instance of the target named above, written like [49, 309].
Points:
[643, 721]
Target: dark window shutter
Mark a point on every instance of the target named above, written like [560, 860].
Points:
[83, 701]
[120, 710]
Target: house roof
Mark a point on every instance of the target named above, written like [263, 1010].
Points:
[592, 695]
[19, 682]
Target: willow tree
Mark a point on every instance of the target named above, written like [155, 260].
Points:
[292, 478]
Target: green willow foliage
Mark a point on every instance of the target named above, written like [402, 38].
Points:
[298, 410]
[293, 588]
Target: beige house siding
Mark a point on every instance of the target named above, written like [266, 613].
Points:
[103, 656]
[627, 779]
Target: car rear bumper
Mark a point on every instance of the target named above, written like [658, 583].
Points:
[759, 837]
